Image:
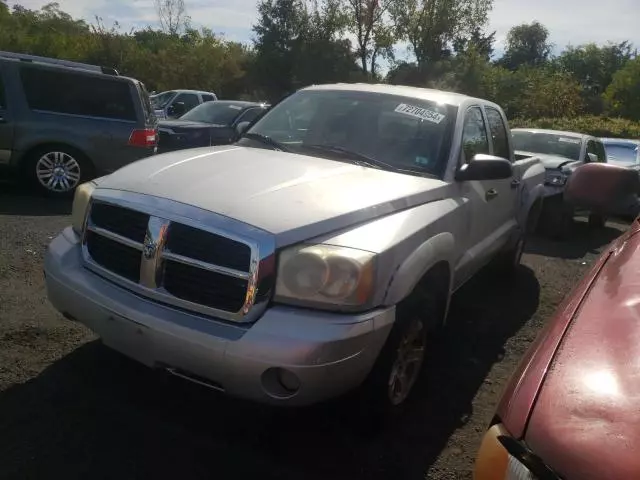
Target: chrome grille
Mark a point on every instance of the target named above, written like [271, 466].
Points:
[176, 260]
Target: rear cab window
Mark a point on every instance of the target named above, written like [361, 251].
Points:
[62, 91]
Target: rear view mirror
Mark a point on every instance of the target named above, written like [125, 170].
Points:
[485, 167]
[603, 188]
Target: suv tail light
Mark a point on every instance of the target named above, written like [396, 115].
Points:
[143, 138]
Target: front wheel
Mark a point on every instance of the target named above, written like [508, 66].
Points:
[56, 171]
[399, 367]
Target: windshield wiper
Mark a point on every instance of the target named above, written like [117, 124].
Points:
[364, 160]
[266, 140]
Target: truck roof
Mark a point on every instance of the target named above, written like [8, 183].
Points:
[554, 132]
[441, 96]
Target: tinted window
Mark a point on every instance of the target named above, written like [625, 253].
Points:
[548, 143]
[65, 92]
[250, 115]
[498, 133]
[406, 133]
[207, 98]
[592, 148]
[190, 100]
[474, 134]
[219, 113]
[601, 152]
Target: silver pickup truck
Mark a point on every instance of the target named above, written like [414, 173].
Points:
[314, 256]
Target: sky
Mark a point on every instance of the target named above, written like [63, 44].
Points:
[569, 21]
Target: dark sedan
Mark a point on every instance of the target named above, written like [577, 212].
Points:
[211, 123]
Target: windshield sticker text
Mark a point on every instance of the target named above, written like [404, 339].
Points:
[421, 113]
[575, 141]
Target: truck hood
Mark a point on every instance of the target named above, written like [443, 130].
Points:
[295, 197]
[585, 423]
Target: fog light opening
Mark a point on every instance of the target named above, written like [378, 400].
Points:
[280, 383]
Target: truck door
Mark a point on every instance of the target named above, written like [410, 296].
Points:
[6, 124]
[492, 202]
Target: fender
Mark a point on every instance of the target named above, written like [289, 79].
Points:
[527, 200]
[23, 149]
[439, 248]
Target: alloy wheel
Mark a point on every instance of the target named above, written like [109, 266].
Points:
[58, 172]
[408, 363]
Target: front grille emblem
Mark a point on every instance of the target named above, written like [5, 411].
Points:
[150, 266]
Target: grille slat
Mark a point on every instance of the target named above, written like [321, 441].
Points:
[208, 247]
[188, 283]
[120, 259]
[123, 221]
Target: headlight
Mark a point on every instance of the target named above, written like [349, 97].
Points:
[325, 274]
[557, 179]
[494, 462]
[80, 203]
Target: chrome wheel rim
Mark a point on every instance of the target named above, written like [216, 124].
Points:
[408, 363]
[58, 171]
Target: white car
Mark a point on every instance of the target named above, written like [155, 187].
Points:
[174, 103]
[301, 263]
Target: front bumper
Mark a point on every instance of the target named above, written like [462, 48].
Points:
[329, 354]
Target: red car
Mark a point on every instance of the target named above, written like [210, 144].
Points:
[572, 408]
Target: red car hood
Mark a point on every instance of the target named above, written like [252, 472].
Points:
[586, 419]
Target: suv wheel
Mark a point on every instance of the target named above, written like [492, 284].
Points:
[57, 170]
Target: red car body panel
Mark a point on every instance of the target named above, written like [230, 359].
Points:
[594, 336]
[586, 420]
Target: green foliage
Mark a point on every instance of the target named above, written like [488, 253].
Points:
[527, 44]
[623, 94]
[593, 125]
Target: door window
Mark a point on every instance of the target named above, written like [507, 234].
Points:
[498, 134]
[601, 152]
[592, 148]
[207, 98]
[474, 134]
[190, 100]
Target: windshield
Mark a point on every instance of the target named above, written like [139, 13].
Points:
[622, 153]
[214, 112]
[160, 100]
[548, 143]
[388, 131]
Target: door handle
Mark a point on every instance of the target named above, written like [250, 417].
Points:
[515, 183]
[491, 194]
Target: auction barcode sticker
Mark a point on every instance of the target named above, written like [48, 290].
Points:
[421, 113]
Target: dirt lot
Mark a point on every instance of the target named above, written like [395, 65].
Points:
[70, 408]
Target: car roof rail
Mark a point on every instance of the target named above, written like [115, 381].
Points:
[23, 57]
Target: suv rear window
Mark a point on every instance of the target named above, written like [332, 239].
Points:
[65, 92]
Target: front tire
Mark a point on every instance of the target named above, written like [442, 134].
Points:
[57, 170]
[399, 368]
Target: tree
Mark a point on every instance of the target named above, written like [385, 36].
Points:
[527, 44]
[623, 94]
[172, 15]
[432, 26]
[367, 21]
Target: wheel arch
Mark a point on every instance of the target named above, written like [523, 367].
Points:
[29, 151]
[430, 267]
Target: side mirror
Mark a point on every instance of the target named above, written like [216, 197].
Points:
[485, 167]
[177, 109]
[603, 188]
[242, 127]
[592, 158]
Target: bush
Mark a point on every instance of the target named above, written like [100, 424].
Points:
[597, 126]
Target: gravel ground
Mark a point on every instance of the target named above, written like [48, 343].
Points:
[70, 408]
